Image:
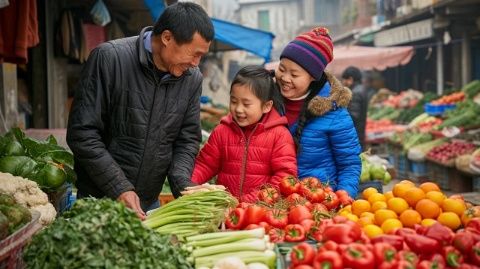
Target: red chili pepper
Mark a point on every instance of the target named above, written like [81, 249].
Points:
[475, 254]
[276, 235]
[384, 252]
[440, 233]
[294, 233]
[463, 241]
[342, 233]
[394, 240]
[236, 219]
[452, 256]
[328, 259]
[329, 245]
[421, 244]
[358, 256]
[408, 256]
[302, 253]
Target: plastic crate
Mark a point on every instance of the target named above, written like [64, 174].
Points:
[61, 198]
[436, 110]
[403, 168]
[460, 182]
[418, 171]
[374, 184]
[476, 184]
[440, 174]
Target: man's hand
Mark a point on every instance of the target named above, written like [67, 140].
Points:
[131, 200]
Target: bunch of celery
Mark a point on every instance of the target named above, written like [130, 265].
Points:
[250, 246]
[191, 214]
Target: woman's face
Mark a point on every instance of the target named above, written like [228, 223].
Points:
[292, 79]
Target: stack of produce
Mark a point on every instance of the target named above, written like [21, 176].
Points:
[412, 139]
[102, 234]
[472, 89]
[405, 99]
[418, 152]
[374, 168]
[250, 246]
[464, 115]
[201, 209]
[409, 114]
[44, 162]
[384, 113]
[448, 152]
[453, 98]
[12, 215]
[475, 161]
[288, 214]
[28, 194]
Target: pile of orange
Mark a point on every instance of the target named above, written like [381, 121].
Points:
[407, 205]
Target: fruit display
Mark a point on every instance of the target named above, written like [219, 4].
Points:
[374, 168]
[447, 152]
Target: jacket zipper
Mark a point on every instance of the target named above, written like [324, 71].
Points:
[244, 160]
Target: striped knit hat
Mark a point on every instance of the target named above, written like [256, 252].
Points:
[311, 50]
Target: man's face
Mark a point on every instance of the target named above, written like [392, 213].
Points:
[174, 58]
[347, 82]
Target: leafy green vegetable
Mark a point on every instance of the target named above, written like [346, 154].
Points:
[102, 234]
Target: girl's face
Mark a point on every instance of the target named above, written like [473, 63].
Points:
[292, 79]
[245, 107]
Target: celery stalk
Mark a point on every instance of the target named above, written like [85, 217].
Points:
[266, 257]
[254, 233]
[254, 244]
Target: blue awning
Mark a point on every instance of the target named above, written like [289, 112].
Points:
[229, 36]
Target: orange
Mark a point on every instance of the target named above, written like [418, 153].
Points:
[429, 186]
[390, 225]
[397, 204]
[435, 196]
[399, 190]
[408, 182]
[457, 196]
[388, 195]
[456, 206]
[428, 209]
[449, 219]
[376, 197]
[364, 221]
[343, 213]
[359, 206]
[352, 217]
[368, 191]
[382, 215]
[410, 217]
[378, 205]
[413, 195]
[347, 209]
[427, 222]
[368, 214]
[372, 230]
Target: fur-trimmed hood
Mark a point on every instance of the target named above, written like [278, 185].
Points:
[330, 97]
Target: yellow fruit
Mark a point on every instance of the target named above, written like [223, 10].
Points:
[376, 197]
[469, 214]
[429, 186]
[382, 215]
[427, 222]
[407, 182]
[391, 225]
[456, 206]
[372, 230]
[436, 196]
[364, 221]
[400, 190]
[352, 217]
[359, 206]
[428, 209]
[347, 209]
[378, 205]
[368, 191]
[368, 215]
[344, 213]
[413, 195]
[410, 217]
[449, 219]
[397, 204]
[388, 195]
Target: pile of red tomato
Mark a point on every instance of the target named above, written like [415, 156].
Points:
[292, 212]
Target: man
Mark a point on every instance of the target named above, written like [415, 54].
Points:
[352, 78]
[135, 118]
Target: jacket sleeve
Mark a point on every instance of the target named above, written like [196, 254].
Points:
[346, 151]
[87, 122]
[284, 160]
[186, 145]
[208, 161]
[355, 106]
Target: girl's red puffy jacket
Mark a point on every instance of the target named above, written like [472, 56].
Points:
[245, 163]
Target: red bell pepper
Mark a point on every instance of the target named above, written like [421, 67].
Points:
[294, 233]
[254, 214]
[307, 225]
[319, 228]
[235, 219]
[475, 254]
[302, 253]
[302, 266]
[276, 235]
[467, 266]
[463, 241]
[404, 231]
[452, 256]
[384, 252]
[428, 264]
[474, 225]
[328, 260]
[329, 245]
[342, 233]
[436, 258]
[402, 264]
[440, 233]
[358, 256]
[421, 244]
[394, 240]
[408, 256]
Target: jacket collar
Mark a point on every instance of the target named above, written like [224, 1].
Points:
[269, 120]
[332, 96]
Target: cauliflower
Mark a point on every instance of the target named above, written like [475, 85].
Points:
[28, 194]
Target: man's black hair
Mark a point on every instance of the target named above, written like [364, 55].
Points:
[184, 19]
[354, 73]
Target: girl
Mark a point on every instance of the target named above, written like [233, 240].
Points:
[252, 145]
[316, 109]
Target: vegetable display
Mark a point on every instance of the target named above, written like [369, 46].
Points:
[12, 215]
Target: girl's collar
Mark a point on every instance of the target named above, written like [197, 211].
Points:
[299, 98]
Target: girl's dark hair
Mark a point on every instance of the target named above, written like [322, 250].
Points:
[261, 83]
[314, 88]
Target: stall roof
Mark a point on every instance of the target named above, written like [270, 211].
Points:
[228, 35]
[365, 58]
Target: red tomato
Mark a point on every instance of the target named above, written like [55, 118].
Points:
[265, 226]
[295, 199]
[268, 195]
[276, 235]
[298, 213]
[289, 185]
[244, 205]
[252, 226]
[254, 214]
[331, 201]
[277, 218]
[310, 182]
[307, 224]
